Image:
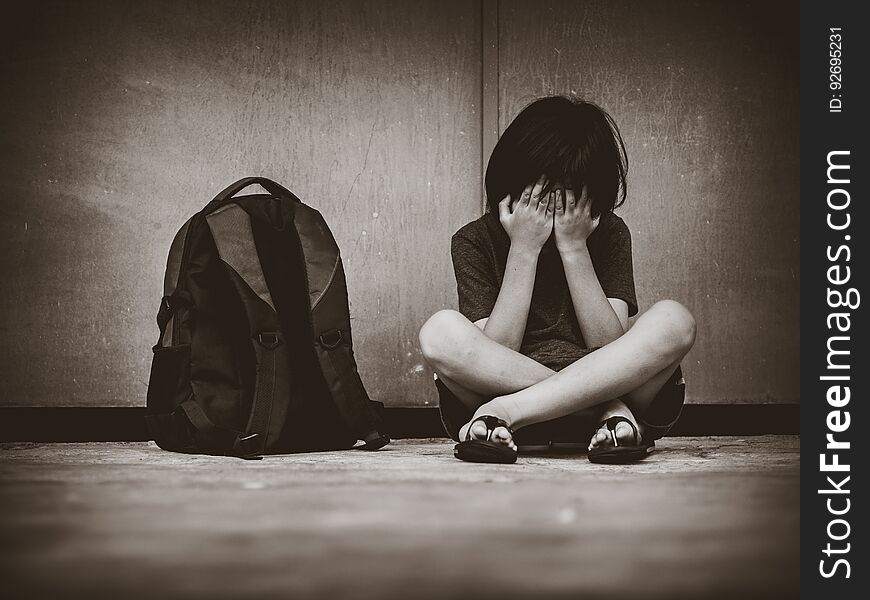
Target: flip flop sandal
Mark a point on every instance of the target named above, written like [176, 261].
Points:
[618, 454]
[485, 451]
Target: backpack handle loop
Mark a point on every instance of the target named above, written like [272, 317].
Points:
[273, 188]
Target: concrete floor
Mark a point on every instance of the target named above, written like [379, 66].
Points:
[703, 517]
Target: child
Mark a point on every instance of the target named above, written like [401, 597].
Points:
[545, 289]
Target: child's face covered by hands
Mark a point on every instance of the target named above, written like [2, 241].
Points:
[528, 219]
[573, 222]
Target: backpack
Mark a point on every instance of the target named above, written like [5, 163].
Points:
[255, 354]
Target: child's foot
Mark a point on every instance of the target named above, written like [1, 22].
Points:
[500, 435]
[623, 432]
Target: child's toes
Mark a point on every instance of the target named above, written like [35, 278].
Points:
[478, 431]
[598, 439]
[624, 433]
[503, 436]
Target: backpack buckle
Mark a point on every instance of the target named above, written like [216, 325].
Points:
[330, 339]
[269, 339]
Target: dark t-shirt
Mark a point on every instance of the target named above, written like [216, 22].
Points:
[552, 335]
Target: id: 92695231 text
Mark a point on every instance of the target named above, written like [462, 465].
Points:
[835, 69]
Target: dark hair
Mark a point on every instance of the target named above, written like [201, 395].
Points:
[573, 142]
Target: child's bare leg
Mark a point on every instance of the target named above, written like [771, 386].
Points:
[475, 368]
[630, 406]
[635, 366]
[472, 365]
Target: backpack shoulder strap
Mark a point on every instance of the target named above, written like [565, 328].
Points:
[166, 314]
[330, 318]
[231, 229]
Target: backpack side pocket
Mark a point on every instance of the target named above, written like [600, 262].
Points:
[168, 387]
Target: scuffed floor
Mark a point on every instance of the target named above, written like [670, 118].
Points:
[702, 517]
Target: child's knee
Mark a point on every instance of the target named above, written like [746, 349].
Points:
[678, 325]
[440, 336]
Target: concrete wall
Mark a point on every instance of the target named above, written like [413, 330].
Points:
[119, 120]
[125, 118]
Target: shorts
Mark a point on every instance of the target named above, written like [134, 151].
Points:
[659, 417]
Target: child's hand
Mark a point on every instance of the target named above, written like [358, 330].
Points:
[528, 220]
[573, 221]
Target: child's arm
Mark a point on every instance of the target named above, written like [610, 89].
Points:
[528, 222]
[601, 319]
